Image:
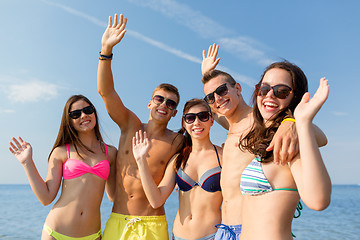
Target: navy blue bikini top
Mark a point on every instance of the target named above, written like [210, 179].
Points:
[209, 181]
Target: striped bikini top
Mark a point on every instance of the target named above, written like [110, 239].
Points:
[209, 181]
[73, 168]
[254, 182]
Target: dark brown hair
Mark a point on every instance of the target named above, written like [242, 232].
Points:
[214, 73]
[187, 143]
[259, 137]
[67, 133]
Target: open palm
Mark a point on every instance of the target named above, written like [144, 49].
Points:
[21, 150]
[210, 61]
[114, 32]
[307, 108]
[141, 145]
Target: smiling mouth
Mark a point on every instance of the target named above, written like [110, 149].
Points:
[162, 112]
[85, 122]
[270, 105]
[223, 104]
[198, 130]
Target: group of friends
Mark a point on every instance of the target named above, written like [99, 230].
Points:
[249, 189]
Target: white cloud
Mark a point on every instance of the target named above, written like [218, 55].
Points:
[339, 113]
[6, 110]
[185, 16]
[155, 43]
[31, 91]
[242, 47]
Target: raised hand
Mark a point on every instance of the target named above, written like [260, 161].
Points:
[307, 109]
[141, 145]
[21, 150]
[210, 61]
[114, 32]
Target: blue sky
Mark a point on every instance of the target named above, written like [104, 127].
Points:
[50, 52]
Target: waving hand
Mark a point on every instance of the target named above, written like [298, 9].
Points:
[210, 61]
[114, 31]
[21, 150]
[307, 108]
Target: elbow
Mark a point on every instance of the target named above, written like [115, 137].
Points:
[45, 202]
[320, 204]
[156, 204]
[101, 92]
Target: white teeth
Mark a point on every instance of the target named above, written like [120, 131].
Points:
[221, 105]
[270, 104]
[86, 122]
[160, 111]
[197, 130]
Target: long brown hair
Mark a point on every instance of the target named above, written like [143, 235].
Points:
[187, 143]
[259, 137]
[67, 133]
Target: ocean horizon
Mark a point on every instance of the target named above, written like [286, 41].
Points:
[22, 215]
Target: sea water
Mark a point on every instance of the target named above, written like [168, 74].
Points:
[22, 216]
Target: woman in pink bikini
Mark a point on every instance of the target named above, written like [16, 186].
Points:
[85, 163]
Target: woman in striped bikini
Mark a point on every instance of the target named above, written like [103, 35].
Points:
[272, 192]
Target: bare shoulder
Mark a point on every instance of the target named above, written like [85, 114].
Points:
[176, 139]
[59, 154]
[112, 151]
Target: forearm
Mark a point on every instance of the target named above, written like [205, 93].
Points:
[315, 183]
[105, 81]
[38, 185]
[152, 192]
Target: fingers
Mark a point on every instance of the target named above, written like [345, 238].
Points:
[115, 20]
[120, 21]
[305, 98]
[216, 49]
[276, 150]
[284, 152]
[110, 20]
[18, 145]
[203, 54]
[293, 151]
[209, 51]
[11, 150]
[140, 138]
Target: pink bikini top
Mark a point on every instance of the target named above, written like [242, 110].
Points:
[73, 168]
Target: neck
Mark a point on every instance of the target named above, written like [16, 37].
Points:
[241, 112]
[201, 144]
[155, 128]
[88, 139]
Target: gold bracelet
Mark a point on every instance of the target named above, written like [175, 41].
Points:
[288, 119]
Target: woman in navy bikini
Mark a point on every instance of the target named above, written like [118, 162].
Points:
[85, 163]
[196, 171]
[272, 192]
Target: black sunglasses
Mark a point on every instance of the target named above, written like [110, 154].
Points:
[170, 104]
[77, 113]
[222, 90]
[190, 117]
[280, 91]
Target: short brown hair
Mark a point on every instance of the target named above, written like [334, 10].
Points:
[168, 88]
[214, 73]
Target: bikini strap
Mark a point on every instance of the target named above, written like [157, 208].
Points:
[68, 150]
[217, 155]
[106, 149]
